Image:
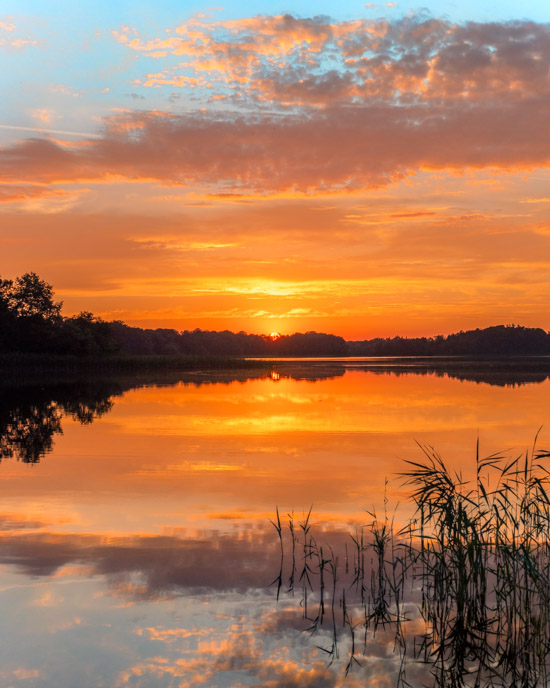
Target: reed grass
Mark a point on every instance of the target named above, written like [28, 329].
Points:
[472, 566]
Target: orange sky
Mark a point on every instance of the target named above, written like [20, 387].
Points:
[365, 177]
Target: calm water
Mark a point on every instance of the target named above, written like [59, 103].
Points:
[136, 548]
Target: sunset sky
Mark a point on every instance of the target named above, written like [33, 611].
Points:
[362, 169]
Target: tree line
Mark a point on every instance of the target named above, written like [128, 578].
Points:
[31, 322]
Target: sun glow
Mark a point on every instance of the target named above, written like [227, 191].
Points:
[274, 336]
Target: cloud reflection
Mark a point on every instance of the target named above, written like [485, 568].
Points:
[160, 564]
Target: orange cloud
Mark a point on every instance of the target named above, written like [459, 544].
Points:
[366, 104]
[234, 47]
[13, 193]
[315, 61]
[45, 115]
[341, 148]
[162, 79]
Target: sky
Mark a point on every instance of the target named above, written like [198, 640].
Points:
[368, 170]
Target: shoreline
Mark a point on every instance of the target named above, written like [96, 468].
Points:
[50, 369]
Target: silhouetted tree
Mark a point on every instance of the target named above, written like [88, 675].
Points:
[30, 296]
[86, 334]
[492, 341]
[31, 321]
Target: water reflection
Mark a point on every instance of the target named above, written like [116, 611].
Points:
[198, 607]
[144, 567]
[140, 554]
[507, 372]
[145, 611]
[31, 415]
[504, 371]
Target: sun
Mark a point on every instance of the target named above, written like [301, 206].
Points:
[274, 336]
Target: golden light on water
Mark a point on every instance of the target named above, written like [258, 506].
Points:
[193, 471]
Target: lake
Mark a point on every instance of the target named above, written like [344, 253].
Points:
[137, 548]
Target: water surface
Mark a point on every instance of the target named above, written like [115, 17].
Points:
[136, 548]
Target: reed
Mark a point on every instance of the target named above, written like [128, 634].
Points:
[472, 566]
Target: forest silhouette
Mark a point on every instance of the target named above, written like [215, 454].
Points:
[31, 323]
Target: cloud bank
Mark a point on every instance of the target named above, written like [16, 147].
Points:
[353, 105]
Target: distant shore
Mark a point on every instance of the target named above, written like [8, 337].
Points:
[16, 363]
[498, 369]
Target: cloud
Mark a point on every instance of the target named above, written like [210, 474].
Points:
[163, 79]
[14, 522]
[289, 88]
[353, 105]
[284, 59]
[24, 674]
[20, 193]
[45, 115]
[235, 48]
[7, 26]
[11, 36]
[339, 148]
